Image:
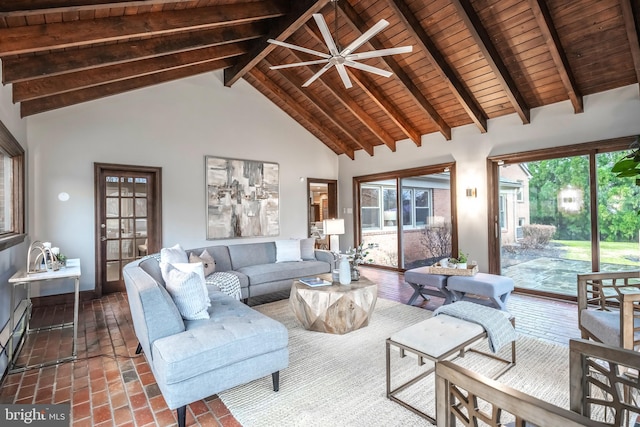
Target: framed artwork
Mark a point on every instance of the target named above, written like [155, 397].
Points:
[243, 198]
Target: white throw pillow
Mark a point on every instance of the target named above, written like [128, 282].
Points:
[186, 285]
[207, 261]
[288, 250]
[308, 248]
[174, 255]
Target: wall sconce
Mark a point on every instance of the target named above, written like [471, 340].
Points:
[472, 192]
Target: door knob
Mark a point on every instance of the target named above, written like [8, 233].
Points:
[103, 239]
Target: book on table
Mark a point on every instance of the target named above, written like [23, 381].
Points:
[314, 281]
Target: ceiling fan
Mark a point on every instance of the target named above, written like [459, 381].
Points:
[345, 57]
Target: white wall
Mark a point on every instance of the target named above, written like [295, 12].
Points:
[13, 258]
[173, 126]
[607, 115]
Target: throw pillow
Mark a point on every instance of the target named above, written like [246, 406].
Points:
[308, 248]
[173, 255]
[288, 250]
[207, 261]
[186, 285]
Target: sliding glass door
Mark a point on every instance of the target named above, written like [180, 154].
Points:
[557, 213]
[405, 217]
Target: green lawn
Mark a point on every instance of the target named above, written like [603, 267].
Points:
[610, 252]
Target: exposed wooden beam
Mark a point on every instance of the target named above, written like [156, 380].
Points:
[301, 12]
[326, 109]
[33, 7]
[550, 35]
[44, 37]
[438, 61]
[356, 22]
[47, 86]
[380, 99]
[481, 38]
[20, 68]
[628, 14]
[40, 105]
[295, 106]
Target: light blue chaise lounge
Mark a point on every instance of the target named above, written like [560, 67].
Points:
[194, 359]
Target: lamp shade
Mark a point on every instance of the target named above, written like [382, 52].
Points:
[333, 226]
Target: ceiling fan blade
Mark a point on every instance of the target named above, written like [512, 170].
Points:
[318, 74]
[381, 25]
[298, 64]
[381, 52]
[344, 76]
[326, 34]
[369, 68]
[301, 49]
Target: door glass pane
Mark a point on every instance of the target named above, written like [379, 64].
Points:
[112, 186]
[127, 248]
[126, 186]
[113, 228]
[126, 227]
[141, 207]
[545, 223]
[112, 207]
[378, 225]
[113, 249]
[426, 215]
[127, 207]
[113, 271]
[140, 186]
[618, 219]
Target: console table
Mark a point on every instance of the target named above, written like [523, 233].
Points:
[22, 278]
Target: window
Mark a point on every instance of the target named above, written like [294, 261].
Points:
[370, 205]
[11, 190]
[423, 206]
[520, 192]
[503, 211]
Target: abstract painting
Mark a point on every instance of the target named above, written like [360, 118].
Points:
[242, 198]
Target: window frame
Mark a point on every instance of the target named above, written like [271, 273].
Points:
[12, 148]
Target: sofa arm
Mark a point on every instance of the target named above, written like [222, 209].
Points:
[326, 256]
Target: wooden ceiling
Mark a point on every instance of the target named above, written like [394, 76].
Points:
[472, 59]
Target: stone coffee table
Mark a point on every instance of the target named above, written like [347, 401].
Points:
[335, 309]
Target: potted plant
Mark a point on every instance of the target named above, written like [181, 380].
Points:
[357, 256]
[460, 262]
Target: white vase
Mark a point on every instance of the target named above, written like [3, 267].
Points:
[462, 265]
[345, 270]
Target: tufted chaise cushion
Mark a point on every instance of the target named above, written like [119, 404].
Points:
[233, 333]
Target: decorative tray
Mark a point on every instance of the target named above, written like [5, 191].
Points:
[471, 270]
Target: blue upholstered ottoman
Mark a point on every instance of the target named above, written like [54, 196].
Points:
[425, 283]
[496, 288]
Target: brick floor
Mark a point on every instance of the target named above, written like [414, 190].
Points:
[109, 385]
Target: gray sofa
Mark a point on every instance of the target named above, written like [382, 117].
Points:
[256, 267]
[194, 359]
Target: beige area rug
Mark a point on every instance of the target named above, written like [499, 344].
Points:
[340, 379]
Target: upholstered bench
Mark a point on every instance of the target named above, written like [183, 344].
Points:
[438, 338]
[495, 288]
[425, 283]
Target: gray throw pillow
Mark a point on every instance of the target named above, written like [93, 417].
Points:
[308, 249]
[186, 285]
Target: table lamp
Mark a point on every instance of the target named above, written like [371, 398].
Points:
[333, 228]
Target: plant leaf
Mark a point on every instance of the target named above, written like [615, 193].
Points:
[623, 165]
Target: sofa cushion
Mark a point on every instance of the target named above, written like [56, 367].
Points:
[288, 250]
[307, 249]
[186, 285]
[252, 254]
[234, 333]
[207, 261]
[174, 254]
[281, 271]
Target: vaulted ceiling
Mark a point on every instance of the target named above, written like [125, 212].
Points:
[472, 59]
